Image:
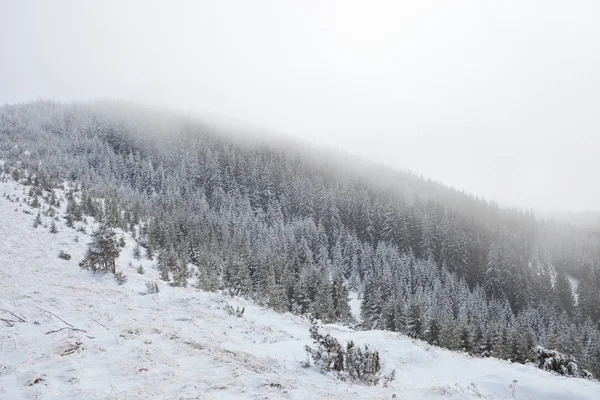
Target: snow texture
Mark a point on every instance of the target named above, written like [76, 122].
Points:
[574, 282]
[85, 337]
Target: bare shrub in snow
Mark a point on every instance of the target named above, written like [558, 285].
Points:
[140, 270]
[238, 312]
[151, 288]
[458, 391]
[64, 255]
[36, 380]
[120, 278]
[513, 387]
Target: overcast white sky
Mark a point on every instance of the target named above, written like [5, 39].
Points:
[500, 98]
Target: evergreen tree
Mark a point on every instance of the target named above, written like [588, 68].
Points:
[339, 298]
[414, 321]
[102, 251]
[38, 220]
[563, 291]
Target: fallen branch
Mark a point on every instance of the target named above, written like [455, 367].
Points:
[55, 316]
[9, 322]
[13, 314]
[72, 329]
[102, 325]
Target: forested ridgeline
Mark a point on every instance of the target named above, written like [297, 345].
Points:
[297, 229]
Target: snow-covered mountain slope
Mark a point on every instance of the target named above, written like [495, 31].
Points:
[81, 336]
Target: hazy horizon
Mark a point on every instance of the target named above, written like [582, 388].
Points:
[498, 99]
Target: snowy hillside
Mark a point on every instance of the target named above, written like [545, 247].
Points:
[70, 334]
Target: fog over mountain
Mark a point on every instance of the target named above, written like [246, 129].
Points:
[303, 199]
[498, 98]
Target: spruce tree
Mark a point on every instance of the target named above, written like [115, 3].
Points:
[38, 220]
[102, 251]
[563, 291]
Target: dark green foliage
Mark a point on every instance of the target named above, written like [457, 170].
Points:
[557, 362]
[102, 251]
[38, 220]
[356, 364]
[173, 267]
[64, 255]
[74, 210]
[414, 323]
[120, 278]
[137, 252]
[35, 203]
[432, 334]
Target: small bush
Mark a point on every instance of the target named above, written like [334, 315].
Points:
[140, 270]
[64, 256]
[137, 252]
[38, 220]
[349, 363]
[35, 203]
[53, 228]
[554, 361]
[151, 288]
[238, 312]
[120, 278]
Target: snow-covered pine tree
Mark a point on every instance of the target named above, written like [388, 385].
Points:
[102, 251]
[339, 298]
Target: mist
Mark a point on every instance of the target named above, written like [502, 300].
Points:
[498, 98]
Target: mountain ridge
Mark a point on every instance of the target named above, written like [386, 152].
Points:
[297, 232]
[182, 343]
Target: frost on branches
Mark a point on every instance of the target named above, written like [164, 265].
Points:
[102, 251]
[555, 361]
[349, 363]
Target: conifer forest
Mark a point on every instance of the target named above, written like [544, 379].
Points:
[298, 230]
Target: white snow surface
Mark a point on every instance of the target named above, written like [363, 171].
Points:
[574, 282]
[354, 302]
[182, 344]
